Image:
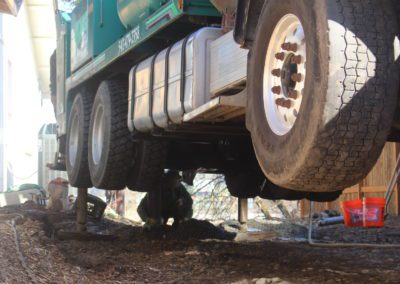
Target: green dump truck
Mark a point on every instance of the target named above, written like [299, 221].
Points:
[289, 99]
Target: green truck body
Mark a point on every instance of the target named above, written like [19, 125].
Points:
[95, 26]
[93, 37]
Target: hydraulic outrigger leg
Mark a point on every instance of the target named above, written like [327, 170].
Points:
[81, 210]
[243, 213]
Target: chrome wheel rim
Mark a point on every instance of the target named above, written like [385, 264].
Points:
[98, 134]
[73, 139]
[284, 75]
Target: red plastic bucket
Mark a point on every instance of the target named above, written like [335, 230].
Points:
[368, 212]
[374, 212]
[353, 213]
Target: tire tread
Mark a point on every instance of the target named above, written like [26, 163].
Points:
[351, 144]
[121, 144]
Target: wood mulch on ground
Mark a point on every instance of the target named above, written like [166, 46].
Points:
[134, 257]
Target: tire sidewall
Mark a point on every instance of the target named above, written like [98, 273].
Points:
[287, 153]
[77, 110]
[102, 99]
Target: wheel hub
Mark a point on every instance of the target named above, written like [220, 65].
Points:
[284, 74]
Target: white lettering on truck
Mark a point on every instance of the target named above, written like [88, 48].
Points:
[128, 40]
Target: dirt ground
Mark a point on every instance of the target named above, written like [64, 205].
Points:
[125, 254]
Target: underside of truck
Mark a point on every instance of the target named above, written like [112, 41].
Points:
[289, 99]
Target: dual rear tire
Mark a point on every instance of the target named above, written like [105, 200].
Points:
[100, 149]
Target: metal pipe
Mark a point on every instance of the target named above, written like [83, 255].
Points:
[243, 213]
[392, 184]
[331, 221]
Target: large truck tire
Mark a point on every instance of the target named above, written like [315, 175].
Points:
[110, 142]
[321, 107]
[77, 141]
[148, 165]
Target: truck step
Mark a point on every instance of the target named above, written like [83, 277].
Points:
[219, 109]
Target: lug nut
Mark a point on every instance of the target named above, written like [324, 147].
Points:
[279, 101]
[296, 59]
[276, 72]
[283, 103]
[293, 94]
[285, 46]
[293, 47]
[280, 56]
[289, 46]
[297, 77]
[276, 90]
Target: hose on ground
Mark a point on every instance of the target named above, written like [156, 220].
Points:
[21, 258]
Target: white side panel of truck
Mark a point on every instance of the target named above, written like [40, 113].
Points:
[228, 64]
[181, 73]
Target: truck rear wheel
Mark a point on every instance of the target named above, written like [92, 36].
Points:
[110, 142]
[148, 165]
[321, 106]
[77, 141]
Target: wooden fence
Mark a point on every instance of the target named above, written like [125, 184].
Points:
[374, 185]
